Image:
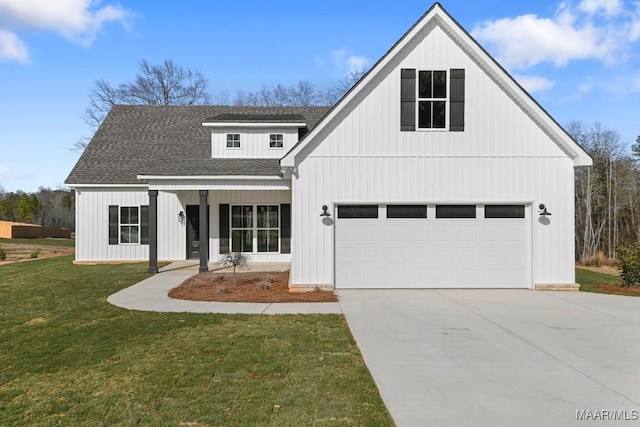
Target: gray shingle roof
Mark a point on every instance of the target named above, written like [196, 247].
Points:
[169, 140]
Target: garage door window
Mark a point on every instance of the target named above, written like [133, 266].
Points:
[406, 211]
[504, 211]
[358, 211]
[455, 211]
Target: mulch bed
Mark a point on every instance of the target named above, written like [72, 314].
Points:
[618, 289]
[264, 287]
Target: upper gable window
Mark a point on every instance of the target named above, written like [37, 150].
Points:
[233, 140]
[432, 99]
[276, 140]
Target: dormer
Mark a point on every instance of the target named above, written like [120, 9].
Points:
[254, 136]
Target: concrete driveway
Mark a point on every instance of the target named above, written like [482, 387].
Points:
[500, 357]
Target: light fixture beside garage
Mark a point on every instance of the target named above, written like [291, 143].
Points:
[543, 210]
[325, 211]
[181, 217]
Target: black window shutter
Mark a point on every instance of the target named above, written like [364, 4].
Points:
[144, 225]
[285, 228]
[224, 229]
[407, 99]
[456, 114]
[113, 224]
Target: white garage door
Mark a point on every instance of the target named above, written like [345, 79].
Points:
[432, 246]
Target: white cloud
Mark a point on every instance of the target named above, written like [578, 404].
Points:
[76, 20]
[357, 64]
[534, 83]
[584, 88]
[608, 7]
[348, 63]
[12, 49]
[573, 33]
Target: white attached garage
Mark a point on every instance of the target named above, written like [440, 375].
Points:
[432, 246]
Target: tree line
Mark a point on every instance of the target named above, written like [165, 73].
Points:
[607, 194]
[49, 207]
[168, 83]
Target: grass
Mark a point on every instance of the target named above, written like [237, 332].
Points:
[590, 279]
[69, 357]
[67, 243]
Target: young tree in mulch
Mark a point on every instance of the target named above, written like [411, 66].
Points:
[235, 260]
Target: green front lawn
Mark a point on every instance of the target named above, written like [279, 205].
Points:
[68, 357]
[67, 243]
[590, 279]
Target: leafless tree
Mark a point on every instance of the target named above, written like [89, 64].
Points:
[162, 84]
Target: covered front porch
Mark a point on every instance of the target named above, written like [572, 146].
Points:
[200, 220]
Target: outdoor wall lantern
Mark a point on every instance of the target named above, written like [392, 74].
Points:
[181, 217]
[543, 208]
[325, 211]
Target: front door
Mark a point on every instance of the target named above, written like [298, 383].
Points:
[194, 239]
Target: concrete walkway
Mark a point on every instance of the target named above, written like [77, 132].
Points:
[152, 295]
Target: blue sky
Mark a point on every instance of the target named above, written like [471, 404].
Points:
[580, 59]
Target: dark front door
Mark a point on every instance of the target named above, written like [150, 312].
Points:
[194, 239]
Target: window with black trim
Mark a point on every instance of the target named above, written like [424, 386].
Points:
[358, 211]
[128, 225]
[276, 140]
[406, 211]
[432, 99]
[242, 228]
[504, 211]
[455, 211]
[267, 228]
[233, 140]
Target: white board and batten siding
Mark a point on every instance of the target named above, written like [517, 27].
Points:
[502, 156]
[92, 219]
[254, 143]
[92, 224]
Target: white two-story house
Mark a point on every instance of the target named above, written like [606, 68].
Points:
[435, 170]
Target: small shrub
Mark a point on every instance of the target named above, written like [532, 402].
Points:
[219, 279]
[223, 290]
[270, 278]
[629, 257]
[35, 253]
[3, 254]
[264, 285]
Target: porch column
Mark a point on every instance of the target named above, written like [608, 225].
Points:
[153, 231]
[204, 232]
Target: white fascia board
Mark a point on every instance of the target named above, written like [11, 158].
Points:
[107, 185]
[571, 147]
[253, 125]
[208, 177]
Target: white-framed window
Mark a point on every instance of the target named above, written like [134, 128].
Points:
[128, 225]
[267, 228]
[255, 233]
[432, 99]
[276, 140]
[242, 228]
[233, 140]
